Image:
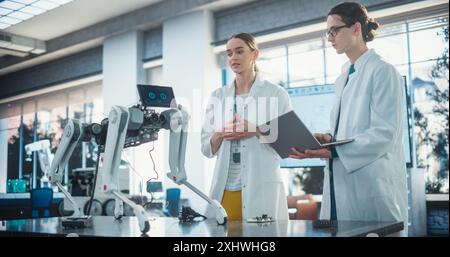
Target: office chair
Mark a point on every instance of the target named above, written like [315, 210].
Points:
[41, 202]
[172, 202]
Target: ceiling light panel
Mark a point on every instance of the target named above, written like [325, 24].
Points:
[9, 20]
[4, 11]
[16, 11]
[60, 2]
[20, 15]
[11, 5]
[25, 1]
[32, 10]
[45, 5]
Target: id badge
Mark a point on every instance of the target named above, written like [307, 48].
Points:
[237, 157]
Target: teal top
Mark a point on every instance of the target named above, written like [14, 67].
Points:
[352, 69]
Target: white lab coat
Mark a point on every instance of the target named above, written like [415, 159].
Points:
[262, 187]
[370, 173]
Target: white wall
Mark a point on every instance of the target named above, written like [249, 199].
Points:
[190, 68]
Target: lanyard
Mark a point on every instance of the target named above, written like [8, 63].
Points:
[236, 155]
[234, 99]
[234, 96]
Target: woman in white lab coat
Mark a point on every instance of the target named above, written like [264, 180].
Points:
[246, 179]
[364, 180]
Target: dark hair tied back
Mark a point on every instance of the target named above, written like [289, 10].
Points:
[351, 12]
[371, 26]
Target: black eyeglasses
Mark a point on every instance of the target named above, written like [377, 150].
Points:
[334, 30]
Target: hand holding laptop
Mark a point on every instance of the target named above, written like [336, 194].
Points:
[323, 153]
[287, 135]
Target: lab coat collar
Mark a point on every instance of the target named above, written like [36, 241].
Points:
[360, 62]
[259, 83]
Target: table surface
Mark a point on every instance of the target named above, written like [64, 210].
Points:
[171, 227]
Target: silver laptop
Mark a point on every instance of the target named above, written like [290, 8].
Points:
[288, 131]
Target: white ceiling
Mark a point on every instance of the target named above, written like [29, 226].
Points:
[74, 16]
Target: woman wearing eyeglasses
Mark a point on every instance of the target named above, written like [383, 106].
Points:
[365, 180]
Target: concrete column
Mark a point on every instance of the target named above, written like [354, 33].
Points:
[190, 67]
[4, 154]
[122, 71]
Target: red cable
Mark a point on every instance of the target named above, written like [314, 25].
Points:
[153, 162]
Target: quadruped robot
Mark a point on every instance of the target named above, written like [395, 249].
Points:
[129, 127]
